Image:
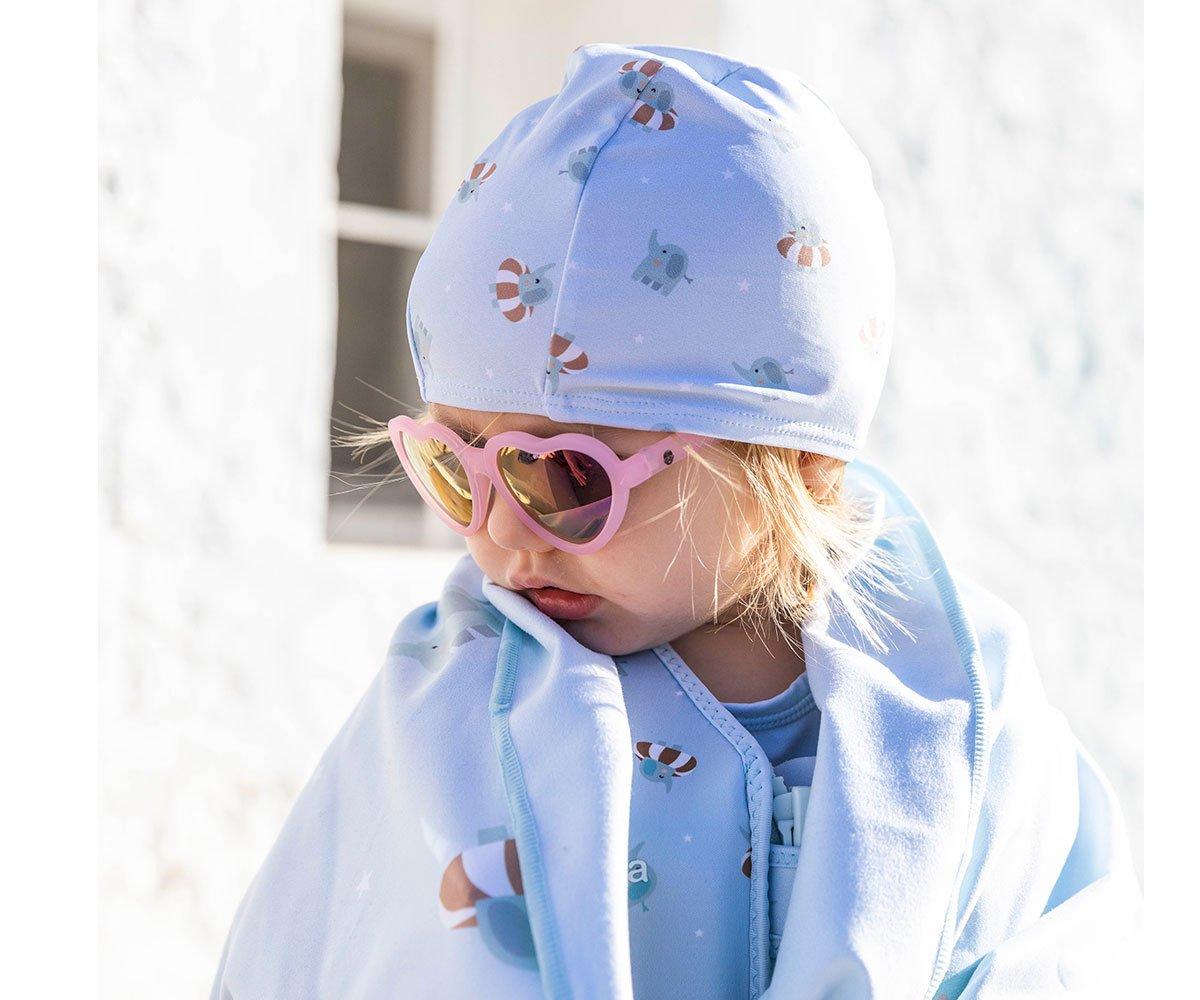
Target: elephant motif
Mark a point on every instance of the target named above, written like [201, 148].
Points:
[662, 763]
[517, 289]
[563, 359]
[642, 878]
[663, 266]
[654, 110]
[767, 373]
[463, 619]
[635, 75]
[424, 340]
[579, 163]
[469, 188]
[804, 246]
[482, 887]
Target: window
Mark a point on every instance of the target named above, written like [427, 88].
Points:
[383, 224]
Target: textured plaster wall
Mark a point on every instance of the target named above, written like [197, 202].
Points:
[235, 640]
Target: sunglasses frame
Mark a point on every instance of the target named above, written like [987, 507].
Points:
[482, 467]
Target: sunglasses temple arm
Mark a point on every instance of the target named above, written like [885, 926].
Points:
[645, 463]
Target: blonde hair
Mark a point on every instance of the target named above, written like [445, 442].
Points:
[813, 539]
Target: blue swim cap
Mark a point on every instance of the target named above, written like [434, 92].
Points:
[674, 241]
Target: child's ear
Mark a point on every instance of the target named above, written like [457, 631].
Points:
[822, 474]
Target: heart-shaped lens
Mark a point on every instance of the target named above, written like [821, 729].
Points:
[442, 475]
[567, 492]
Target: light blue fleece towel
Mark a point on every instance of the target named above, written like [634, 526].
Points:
[508, 813]
[674, 241]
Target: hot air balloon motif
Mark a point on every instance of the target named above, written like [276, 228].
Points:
[664, 265]
[579, 163]
[803, 245]
[462, 620]
[642, 879]
[482, 887]
[564, 358]
[747, 866]
[872, 334]
[423, 340]
[518, 289]
[469, 188]
[654, 108]
[765, 372]
[662, 763]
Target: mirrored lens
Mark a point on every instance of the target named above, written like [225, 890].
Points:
[567, 492]
[442, 475]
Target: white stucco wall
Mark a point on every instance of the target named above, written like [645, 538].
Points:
[235, 640]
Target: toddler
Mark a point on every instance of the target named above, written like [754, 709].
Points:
[703, 711]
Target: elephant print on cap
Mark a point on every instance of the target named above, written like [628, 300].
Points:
[564, 358]
[635, 75]
[803, 245]
[518, 289]
[662, 763]
[424, 341]
[579, 163]
[654, 109]
[469, 188]
[766, 373]
[482, 887]
[663, 266]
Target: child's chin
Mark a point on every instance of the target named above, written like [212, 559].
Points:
[595, 636]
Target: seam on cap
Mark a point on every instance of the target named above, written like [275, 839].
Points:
[736, 69]
[583, 404]
[562, 285]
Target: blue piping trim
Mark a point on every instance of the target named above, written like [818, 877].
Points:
[551, 964]
[969, 653]
[758, 774]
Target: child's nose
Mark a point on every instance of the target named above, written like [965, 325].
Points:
[508, 531]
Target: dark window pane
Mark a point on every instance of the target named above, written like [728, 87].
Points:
[384, 157]
[372, 348]
[368, 164]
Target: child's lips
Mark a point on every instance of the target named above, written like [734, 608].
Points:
[564, 605]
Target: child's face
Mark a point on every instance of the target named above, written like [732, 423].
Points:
[654, 579]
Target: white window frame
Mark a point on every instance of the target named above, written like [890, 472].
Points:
[389, 32]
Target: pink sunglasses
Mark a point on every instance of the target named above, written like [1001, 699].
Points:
[570, 489]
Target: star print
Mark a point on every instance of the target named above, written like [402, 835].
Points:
[579, 112]
[447, 286]
[795, 360]
[678, 694]
[727, 174]
[571, 265]
[687, 838]
[645, 180]
[364, 884]
[638, 339]
[506, 207]
[488, 372]
[699, 932]
[743, 285]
